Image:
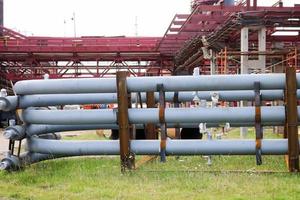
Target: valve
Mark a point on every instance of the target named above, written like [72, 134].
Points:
[14, 132]
[10, 163]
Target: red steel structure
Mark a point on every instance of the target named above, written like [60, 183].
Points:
[179, 50]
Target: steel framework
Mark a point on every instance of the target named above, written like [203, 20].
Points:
[211, 21]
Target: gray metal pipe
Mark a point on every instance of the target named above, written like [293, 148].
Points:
[105, 98]
[37, 129]
[8, 103]
[145, 84]
[274, 114]
[13, 163]
[152, 147]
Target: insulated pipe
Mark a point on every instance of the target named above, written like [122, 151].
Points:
[28, 158]
[152, 147]
[13, 163]
[274, 114]
[14, 132]
[37, 129]
[104, 98]
[8, 103]
[149, 84]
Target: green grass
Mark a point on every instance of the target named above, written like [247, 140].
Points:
[82, 135]
[229, 177]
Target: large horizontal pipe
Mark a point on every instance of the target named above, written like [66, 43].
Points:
[37, 129]
[105, 98]
[152, 147]
[145, 84]
[13, 102]
[274, 114]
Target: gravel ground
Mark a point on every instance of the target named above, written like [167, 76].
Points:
[3, 144]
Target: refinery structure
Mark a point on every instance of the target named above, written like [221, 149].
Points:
[220, 37]
[241, 57]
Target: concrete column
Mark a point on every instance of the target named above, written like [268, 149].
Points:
[247, 64]
[244, 48]
[262, 47]
[244, 68]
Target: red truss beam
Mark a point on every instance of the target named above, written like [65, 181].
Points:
[206, 19]
[30, 57]
[79, 45]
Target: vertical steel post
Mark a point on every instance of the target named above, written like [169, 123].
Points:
[258, 126]
[248, 4]
[254, 4]
[150, 128]
[176, 105]
[1, 16]
[127, 161]
[163, 127]
[292, 119]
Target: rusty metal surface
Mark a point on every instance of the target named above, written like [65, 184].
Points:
[127, 161]
[163, 127]
[292, 119]
[151, 132]
[258, 126]
[176, 105]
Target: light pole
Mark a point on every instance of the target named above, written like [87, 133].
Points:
[74, 23]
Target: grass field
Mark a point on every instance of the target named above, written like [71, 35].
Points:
[229, 177]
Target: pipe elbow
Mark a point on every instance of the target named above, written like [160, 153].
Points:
[8, 103]
[10, 163]
[14, 132]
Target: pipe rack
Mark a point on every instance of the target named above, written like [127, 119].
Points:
[38, 93]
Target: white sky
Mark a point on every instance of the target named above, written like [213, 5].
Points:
[96, 17]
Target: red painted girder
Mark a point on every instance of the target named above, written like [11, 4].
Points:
[84, 57]
[181, 16]
[219, 8]
[207, 18]
[79, 49]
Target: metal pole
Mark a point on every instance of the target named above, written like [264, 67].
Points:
[292, 119]
[150, 127]
[125, 155]
[176, 105]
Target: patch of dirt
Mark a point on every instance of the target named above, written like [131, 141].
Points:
[3, 144]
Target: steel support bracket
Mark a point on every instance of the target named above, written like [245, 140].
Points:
[163, 127]
[127, 158]
[291, 125]
[151, 132]
[258, 126]
[176, 105]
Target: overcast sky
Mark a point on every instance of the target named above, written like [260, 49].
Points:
[96, 17]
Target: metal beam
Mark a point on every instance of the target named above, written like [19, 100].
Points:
[292, 119]
[151, 132]
[127, 159]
